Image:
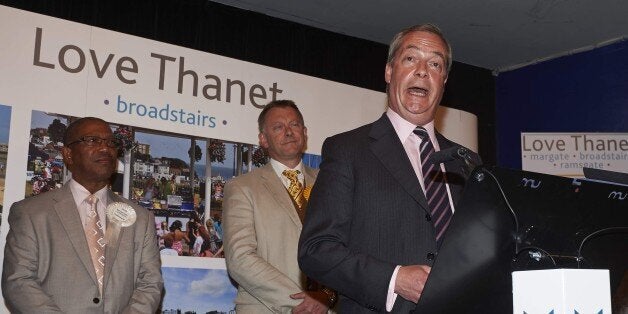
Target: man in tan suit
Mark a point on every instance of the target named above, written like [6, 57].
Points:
[60, 258]
[262, 220]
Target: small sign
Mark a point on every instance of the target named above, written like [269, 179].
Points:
[565, 154]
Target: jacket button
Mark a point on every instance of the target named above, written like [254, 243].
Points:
[430, 256]
[428, 217]
[96, 300]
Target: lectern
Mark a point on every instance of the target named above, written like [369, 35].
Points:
[509, 220]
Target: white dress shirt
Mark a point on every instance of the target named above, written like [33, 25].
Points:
[80, 194]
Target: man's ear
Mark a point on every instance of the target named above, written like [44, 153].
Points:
[67, 155]
[263, 142]
[305, 138]
[388, 73]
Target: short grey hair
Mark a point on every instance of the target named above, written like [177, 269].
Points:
[427, 27]
[282, 103]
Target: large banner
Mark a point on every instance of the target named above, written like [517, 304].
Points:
[167, 100]
[77, 69]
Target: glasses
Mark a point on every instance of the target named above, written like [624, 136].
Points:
[92, 141]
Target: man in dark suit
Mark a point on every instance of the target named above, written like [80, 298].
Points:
[379, 208]
[65, 254]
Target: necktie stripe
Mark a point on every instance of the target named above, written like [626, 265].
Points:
[440, 217]
[434, 190]
[434, 182]
[443, 228]
[434, 187]
[438, 203]
[429, 171]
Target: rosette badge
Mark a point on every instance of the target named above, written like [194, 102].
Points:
[121, 214]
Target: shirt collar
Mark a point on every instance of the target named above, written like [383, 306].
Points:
[404, 128]
[80, 193]
[279, 167]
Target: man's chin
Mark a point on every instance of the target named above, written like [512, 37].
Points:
[104, 174]
[417, 106]
[292, 148]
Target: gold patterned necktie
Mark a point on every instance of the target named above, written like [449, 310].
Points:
[295, 189]
[95, 238]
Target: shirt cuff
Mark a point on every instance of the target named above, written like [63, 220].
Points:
[392, 296]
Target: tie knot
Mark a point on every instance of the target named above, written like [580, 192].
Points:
[91, 200]
[421, 132]
[292, 175]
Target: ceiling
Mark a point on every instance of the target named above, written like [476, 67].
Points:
[494, 34]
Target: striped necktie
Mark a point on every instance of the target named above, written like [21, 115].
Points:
[95, 238]
[434, 181]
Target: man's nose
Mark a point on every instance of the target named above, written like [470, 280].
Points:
[421, 69]
[104, 147]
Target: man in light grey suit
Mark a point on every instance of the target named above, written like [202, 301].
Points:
[262, 221]
[48, 262]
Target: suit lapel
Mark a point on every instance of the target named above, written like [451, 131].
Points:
[274, 186]
[309, 175]
[386, 146]
[114, 235]
[65, 207]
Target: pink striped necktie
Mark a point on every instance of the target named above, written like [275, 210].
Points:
[435, 186]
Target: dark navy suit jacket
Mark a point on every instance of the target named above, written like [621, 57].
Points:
[367, 214]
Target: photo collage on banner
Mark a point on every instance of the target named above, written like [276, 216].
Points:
[5, 119]
[45, 170]
[167, 177]
[197, 290]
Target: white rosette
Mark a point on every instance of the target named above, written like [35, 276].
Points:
[121, 214]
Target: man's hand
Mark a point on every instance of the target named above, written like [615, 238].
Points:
[410, 281]
[313, 302]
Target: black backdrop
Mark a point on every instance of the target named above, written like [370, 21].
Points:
[257, 38]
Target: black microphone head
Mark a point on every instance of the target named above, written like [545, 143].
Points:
[462, 152]
[445, 155]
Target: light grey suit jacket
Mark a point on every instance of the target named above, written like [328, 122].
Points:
[48, 268]
[262, 228]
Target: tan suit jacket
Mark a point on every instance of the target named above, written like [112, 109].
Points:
[262, 228]
[48, 268]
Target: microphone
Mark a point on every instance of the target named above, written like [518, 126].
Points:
[446, 155]
[455, 152]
